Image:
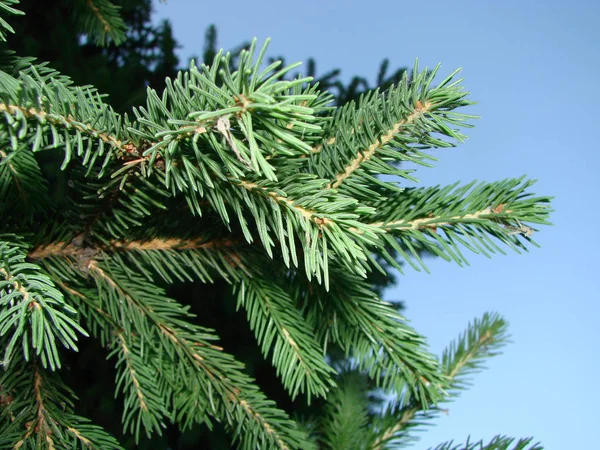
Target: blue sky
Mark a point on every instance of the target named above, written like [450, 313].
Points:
[532, 66]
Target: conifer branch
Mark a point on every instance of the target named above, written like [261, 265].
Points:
[137, 380]
[6, 8]
[273, 318]
[189, 259]
[132, 374]
[33, 313]
[491, 215]
[12, 169]
[364, 155]
[461, 358]
[317, 148]
[39, 425]
[190, 350]
[497, 443]
[434, 222]
[232, 392]
[374, 334]
[42, 406]
[386, 435]
[24, 193]
[346, 414]
[96, 11]
[100, 19]
[72, 249]
[91, 306]
[58, 120]
[368, 138]
[444, 220]
[313, 216]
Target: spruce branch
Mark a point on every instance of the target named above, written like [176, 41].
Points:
[185, 259]
[296, 354]
[249, 177]
[43, 116]
[198, 367]
[373, 334]
[101, 20]
[188, 180]
[260, 107]
[100, 323]
[347, 416]
[112, 208]
[33, 313]
[367, 139]
[137, 380]
[5, 9]
[442, 221]
[42, 104]
[160, 244]
[497, 443]
[367, 154]
[23, 190]
[462, 358]
[324, 223]
[37, 413]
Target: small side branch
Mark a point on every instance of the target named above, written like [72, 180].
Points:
[420, 110]
[40, 424]
[69, 120]
[306, 213]
[440, 221]
[72, 249]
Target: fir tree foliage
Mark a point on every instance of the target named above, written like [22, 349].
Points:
[6, 8]
[100, 20]
[252, 177]
[497, 443]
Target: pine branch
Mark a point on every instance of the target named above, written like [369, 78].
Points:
[346, 419]
[442, 221]
[373, 334]
[191, 366]
[460, 359]
[5, 9]
[497, 443]
[386, 128]
[100, 19]
[33, 313]
[275, 320]
[37, 413]
[23, 189]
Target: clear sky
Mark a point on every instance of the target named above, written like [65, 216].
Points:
[533, 67]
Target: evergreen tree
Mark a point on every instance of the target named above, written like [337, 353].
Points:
[255, 180]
